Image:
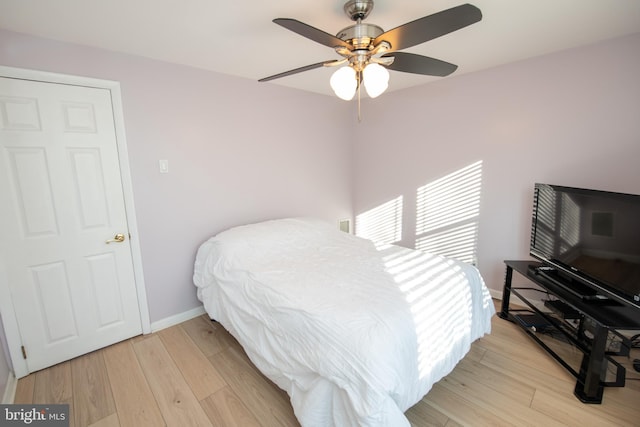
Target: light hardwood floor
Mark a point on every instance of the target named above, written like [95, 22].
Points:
[196, 374]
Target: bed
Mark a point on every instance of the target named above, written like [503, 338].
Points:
[355, 332]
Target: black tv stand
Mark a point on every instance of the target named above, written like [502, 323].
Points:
[563, 310]
[596, 300]
[577, 288]
[580, 290]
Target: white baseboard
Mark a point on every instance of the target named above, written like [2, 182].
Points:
[10, 389]
[167, 322]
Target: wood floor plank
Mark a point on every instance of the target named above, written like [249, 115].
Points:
[209, 336]
[422, 414]
[177, 403]
[225, 408]
[461, 410]
[523, 350]
[619, 405]
[519, 391]
[538, 377]
[54, 385]
[95, 402]
[564, 409]
[25, 389]
[622, 404]
[135, 403]
[200, 374]
[476, 353]
[110, 421]
[258, 393]
[496, 402]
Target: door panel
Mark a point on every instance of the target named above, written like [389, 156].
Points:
[32, 191]
[19, 113]
[61, 199]
[54, 300]
[106, 289]
[87, 175]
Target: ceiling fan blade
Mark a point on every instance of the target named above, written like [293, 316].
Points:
[418, 64]
[430, 27]
[301, 69]
[312, 33]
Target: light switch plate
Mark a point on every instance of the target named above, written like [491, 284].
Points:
[164, 166]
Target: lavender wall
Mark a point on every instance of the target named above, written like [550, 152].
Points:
[238, 152]
[569, 118]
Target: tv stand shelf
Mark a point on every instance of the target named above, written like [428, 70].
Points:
[554, 314]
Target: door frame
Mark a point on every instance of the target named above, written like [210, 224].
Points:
[9, 320]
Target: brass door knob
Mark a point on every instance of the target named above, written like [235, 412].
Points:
[118, 238]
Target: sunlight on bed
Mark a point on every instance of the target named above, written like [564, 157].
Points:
[434, 291]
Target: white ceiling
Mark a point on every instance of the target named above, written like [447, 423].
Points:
[238, 37]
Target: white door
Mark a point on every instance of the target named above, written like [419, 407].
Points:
[61, 200]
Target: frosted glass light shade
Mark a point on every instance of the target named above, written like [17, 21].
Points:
[344, 83]
[376, 79]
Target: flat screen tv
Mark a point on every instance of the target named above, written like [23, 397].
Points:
[590, 238]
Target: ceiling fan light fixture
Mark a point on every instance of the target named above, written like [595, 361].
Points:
[370, 51]
[376, 79]
[344, 83]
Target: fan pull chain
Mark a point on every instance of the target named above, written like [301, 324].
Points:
[359, 86]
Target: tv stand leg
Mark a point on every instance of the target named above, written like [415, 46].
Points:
[506, 294]
[590, 385]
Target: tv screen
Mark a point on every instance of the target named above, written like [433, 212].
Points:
[591, 236]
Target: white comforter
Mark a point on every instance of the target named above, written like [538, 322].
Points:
[356, 334]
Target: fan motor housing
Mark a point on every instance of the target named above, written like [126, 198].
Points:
[360, 35]
[358, 9]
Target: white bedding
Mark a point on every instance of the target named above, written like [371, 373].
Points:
[356, 334]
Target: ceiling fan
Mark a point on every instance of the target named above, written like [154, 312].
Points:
[368, 51]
